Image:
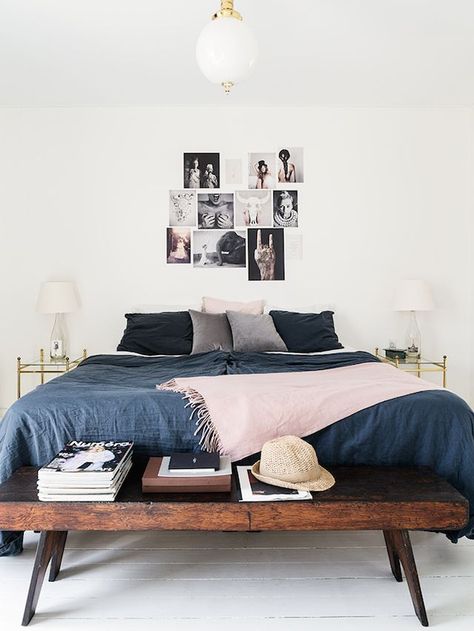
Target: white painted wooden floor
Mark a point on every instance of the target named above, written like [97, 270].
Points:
[229, 581]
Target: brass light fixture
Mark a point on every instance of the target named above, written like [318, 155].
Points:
[226, 49]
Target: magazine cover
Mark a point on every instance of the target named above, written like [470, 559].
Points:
[263, 488]
[253, 490]
[100, 456]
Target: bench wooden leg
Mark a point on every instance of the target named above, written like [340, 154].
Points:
[401, 547]
[44, 552]
[393, 556]
[57, 555]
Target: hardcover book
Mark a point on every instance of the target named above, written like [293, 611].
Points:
[152, 482]
[194, 462]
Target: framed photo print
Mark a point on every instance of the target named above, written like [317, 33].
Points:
[233, 171]
[215, 210]
[219, 248]
[253, 208]
[261, 171]
[182, 208]
[290, 165]
[201, 170]
[285, 209]
[266, 253]
[178, 245]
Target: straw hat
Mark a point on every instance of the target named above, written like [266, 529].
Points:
[292, 463]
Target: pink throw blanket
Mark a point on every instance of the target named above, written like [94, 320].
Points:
[238, 413]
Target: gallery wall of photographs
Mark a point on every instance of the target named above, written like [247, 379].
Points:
[214, 222]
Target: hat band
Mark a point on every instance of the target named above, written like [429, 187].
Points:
[295, 477]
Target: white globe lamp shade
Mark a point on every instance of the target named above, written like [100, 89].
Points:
[226, 51]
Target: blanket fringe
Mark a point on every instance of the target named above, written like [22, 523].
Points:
[210, 440]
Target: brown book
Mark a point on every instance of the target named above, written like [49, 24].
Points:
[153, 483]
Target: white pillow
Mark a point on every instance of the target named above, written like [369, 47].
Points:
[216, 305]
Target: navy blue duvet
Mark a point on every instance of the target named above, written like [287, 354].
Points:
[114, 397]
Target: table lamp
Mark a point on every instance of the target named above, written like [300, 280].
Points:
[58, 298]
[413, 296]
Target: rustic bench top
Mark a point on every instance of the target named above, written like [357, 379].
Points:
[370, 498]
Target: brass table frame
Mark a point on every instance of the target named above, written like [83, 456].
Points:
[418, 366]
[43, 368]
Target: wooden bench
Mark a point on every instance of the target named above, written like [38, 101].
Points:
[364, 498]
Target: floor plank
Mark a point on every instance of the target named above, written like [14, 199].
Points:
[264, 581]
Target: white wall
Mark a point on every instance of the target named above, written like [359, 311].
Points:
[84, 196]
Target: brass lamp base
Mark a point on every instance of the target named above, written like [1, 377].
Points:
[227, 11]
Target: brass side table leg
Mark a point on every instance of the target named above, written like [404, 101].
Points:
[18, 377]
[444, 370]
[42, 365]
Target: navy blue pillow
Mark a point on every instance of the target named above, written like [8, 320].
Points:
[166, 333]
[306, 332]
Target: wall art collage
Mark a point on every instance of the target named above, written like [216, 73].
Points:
[215, 222]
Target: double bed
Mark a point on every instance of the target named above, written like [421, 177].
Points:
[115, 397]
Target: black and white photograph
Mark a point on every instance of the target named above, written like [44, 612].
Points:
[178, 245]
[233, 171]
[261, 171]
[182, 208]
[201, 170]
[215, 211]
[253, 208]
[266, 253]
[285, 209]
[290, 165]
[219, 248]
[81, 456]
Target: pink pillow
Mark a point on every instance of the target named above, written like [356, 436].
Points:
[215, 305]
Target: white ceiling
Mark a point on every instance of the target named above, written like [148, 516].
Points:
[324, 52]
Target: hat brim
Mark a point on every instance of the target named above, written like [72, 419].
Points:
[322, 483]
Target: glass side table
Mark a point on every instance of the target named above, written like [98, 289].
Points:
[44, 366]
[417, 365]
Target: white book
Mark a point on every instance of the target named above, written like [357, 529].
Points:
[252, 490]
[225, 468]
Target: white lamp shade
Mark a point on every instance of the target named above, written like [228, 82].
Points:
[226, 50]
[57, 297]
[413, 295]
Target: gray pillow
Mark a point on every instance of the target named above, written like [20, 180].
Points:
[255, 333]
[211, 332]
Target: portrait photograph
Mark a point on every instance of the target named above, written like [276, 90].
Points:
[261, 171]
[182, 208]
[201, 170]
[219, 248]
[178, 245]
[266, 253]
[285, 209]
[253, 208]
[290, 165]
[215, 210]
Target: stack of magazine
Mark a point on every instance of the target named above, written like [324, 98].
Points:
[85, 472]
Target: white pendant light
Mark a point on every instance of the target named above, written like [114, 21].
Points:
[226, 49]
